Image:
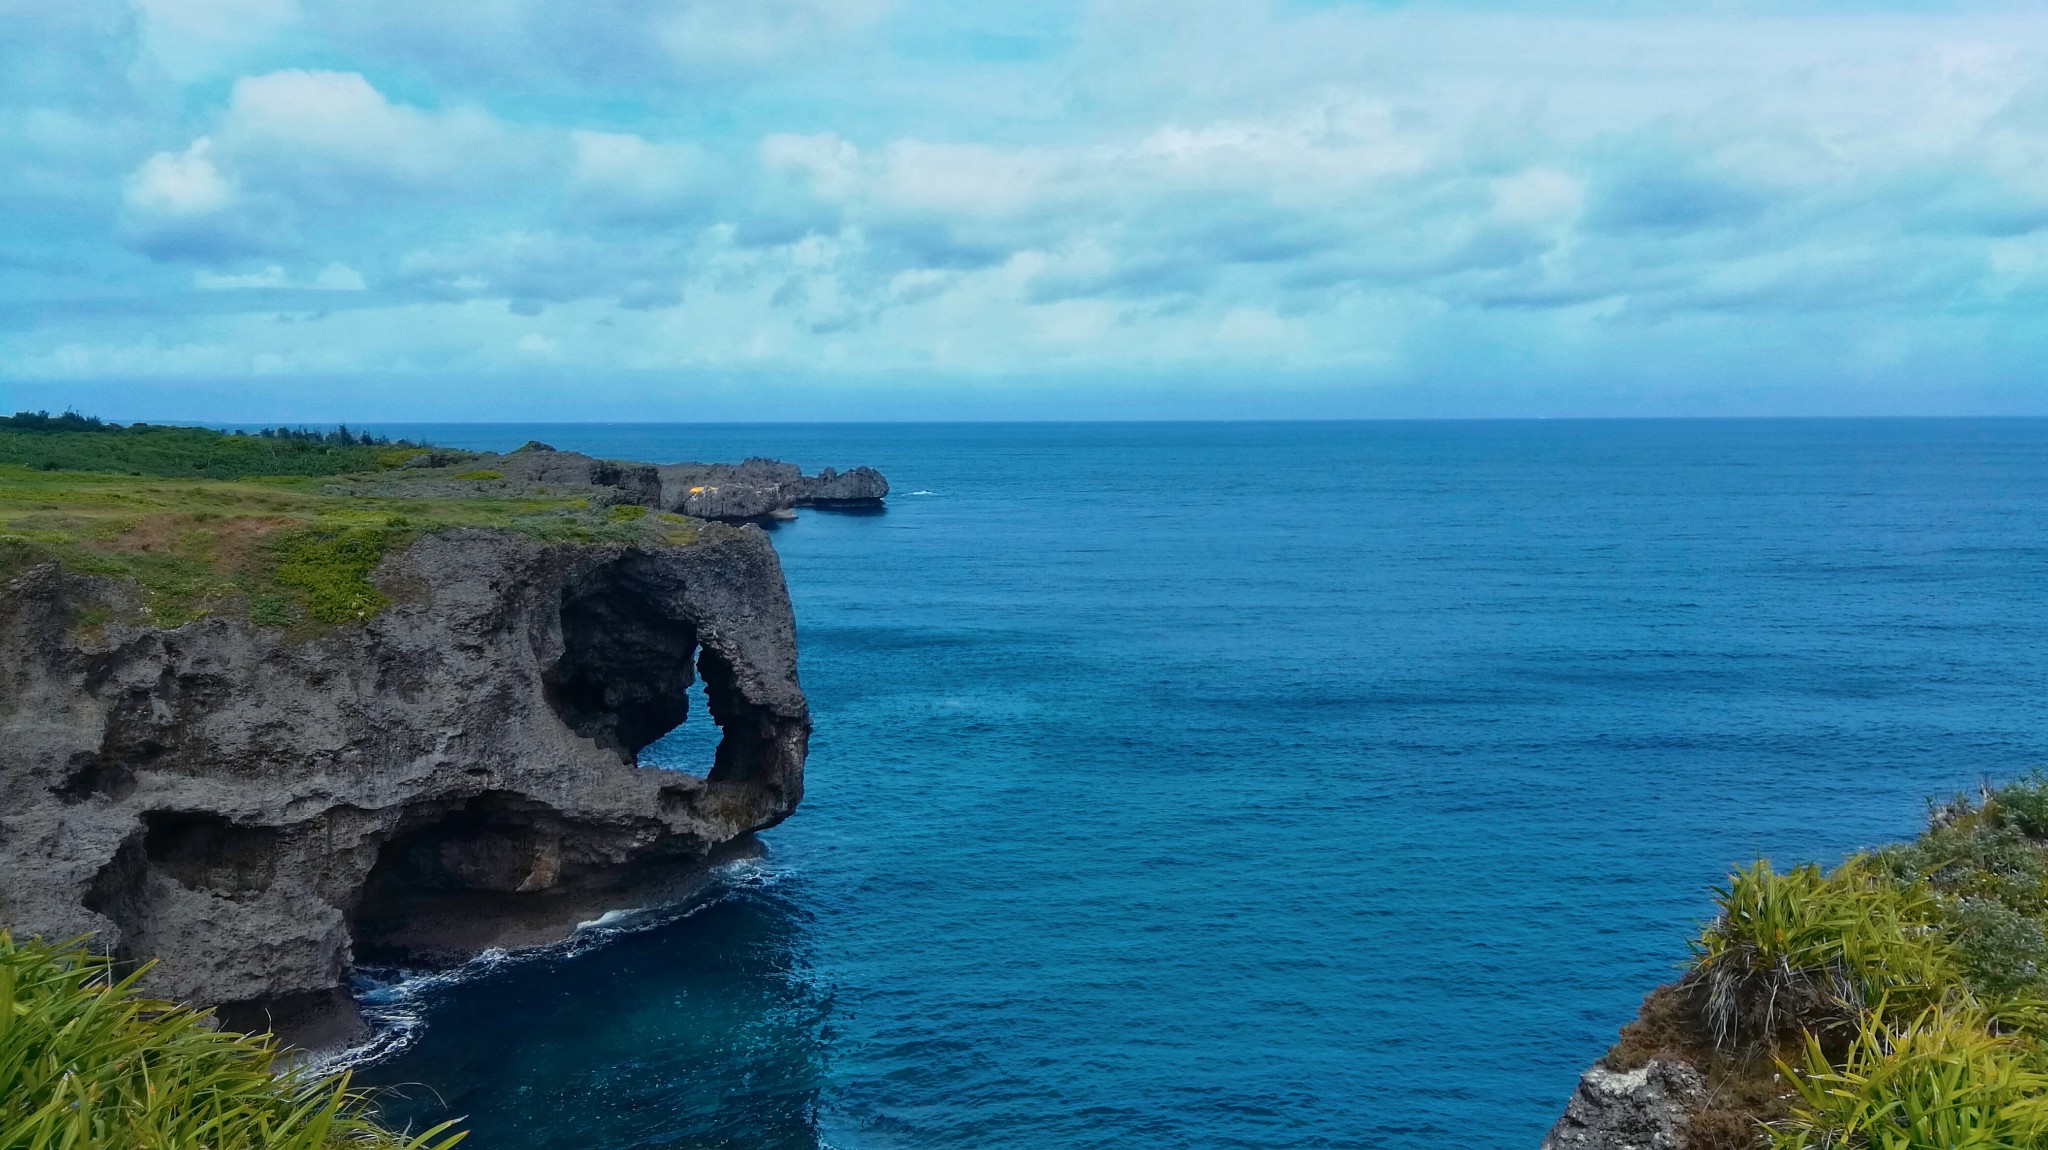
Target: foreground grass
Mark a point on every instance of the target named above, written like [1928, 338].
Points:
[86, 1064]
[1899, 1002]
[285, 549]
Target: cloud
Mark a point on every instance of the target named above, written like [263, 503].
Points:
[333, 277]
[839, 186]
[181, 184]
[533, 269]
[333, 136]
[620, 177]
[296, 149]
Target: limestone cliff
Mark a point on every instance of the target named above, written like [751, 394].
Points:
[760, 488]
[754, 489]
[258, 806]
[1647, 1108]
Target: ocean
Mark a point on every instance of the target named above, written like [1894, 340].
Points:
[1270, 785]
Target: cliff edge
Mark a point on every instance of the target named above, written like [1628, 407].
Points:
[451, 767]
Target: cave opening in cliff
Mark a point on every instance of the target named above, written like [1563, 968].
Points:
[629, 656]
[626, 670]
[454, 862]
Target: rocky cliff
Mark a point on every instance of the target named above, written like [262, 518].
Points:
[761, 488]
[259, 806]
[755, 489]
[1648, 1108]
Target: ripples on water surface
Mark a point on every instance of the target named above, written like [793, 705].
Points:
[1333, 785]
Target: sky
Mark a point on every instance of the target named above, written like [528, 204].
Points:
[892, 209]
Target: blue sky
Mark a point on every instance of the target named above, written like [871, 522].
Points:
[786, 209]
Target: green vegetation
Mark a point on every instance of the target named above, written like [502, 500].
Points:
[480, 476]
[331, 563]
[1899, 1002]
[86, 1064]
[1943, 1078]
[1813, 950]
[288, 547]
[43, 442]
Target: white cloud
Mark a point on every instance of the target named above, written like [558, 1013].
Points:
[1538, 196]
[270, 277]
[328, 131]
[814, 185]
[831, 164]
[964, 179]
[340, 277]
[297, 150]
[180, 183]
[621, 176]
[333, 277]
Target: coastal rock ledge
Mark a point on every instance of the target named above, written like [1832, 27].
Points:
[264, 807]
[1648, 1108]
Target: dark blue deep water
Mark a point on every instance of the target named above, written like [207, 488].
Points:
[1270, 785]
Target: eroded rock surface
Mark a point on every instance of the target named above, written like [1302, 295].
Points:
[1647, 1108]
[755, 489]
[760, 488]
[258, 807]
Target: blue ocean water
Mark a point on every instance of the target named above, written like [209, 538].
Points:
[1276, 785]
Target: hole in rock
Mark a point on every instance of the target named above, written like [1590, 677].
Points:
[199, 850]
[624, 674]
[629, 677]
[95, 777]
[206, 852]
[118, 892]
[495, 842]
[691, 747]
[450, 882]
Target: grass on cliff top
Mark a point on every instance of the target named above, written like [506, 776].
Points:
[285, 549]
[1898, 1002]
[69, 442]
[86, 1064]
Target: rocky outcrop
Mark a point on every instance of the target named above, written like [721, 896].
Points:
[533, 470]
[831, 488]
[537, 465]
[762, 488]
[260, 808]
[1648, 1108]
[755, 489]
[732, 492]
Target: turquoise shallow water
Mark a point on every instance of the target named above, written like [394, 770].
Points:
[1269, 785]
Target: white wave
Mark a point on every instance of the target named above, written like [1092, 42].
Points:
[611, 918]
[395, 1001]
[920, 493]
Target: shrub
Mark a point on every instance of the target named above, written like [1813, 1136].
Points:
[45, 423]
[1810, 950]
[2004, 954]
[624, 513]
[2021, 805]
[1942, 1081]
[1974, 858]
[86, 1064]
[481, 475]
[332, 564]
[74, 443]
